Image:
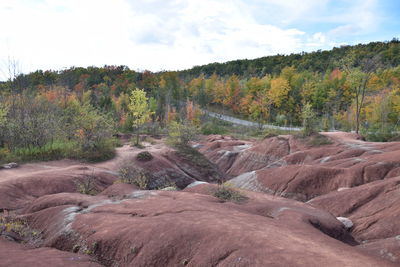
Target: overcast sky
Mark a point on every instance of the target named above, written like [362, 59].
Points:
[178, 34]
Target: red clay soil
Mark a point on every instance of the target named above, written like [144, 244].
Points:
[124, 226]
[22, 185]
[287, 166]
[55, 184]
[17, 193]
[374, 209]
[175, 166]
[17, 255]
[158, 228]
[350, 178]
[387, 248]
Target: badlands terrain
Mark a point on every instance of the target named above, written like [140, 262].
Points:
[332, 204]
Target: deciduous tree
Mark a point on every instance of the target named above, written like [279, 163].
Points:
[139, 110]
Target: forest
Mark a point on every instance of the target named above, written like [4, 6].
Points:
[76, 112]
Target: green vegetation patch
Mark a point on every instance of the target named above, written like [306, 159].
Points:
[131, 174]
[226, 192]
[315, 140]
[192, 155]
[87, 185]
[144, 156]
[17, 229]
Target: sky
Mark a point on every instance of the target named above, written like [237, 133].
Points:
[178, 34]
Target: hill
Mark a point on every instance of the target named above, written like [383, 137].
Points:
[318, 61]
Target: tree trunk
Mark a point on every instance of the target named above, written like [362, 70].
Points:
[137, 136]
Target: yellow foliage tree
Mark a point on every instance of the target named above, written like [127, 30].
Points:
[279, 91]
[139, 110]
[232, 93]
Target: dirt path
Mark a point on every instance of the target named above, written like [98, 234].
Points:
[59, 165]
[110, 166]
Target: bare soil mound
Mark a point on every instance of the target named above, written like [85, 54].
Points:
[374, 209]
[293, 167]
[14, 254]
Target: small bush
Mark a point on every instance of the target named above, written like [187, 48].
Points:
[87, 185]
[325, 124]
[319, 140]
[153, 129]
[130, 174]
[144, 156]
[227, 193]
[192, 155]
[380, 133]
[18, 230]
[101, 151]
[181, 133]
[315, 140]
[168, 186]
[138, 145]
[213, 128]
[6, 156]
[272, 132]
[150, 140]
[281, 120]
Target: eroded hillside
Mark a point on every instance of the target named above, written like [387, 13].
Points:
[293, 192]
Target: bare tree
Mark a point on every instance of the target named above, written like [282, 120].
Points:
[359, 74]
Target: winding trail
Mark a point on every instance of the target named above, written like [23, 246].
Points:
[248, 123]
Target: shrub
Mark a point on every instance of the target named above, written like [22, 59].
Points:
[38, 129]
[168, 186]
[309, 124]
[192, 155]
[325, 124]
[91, 128]
[144, 156]
[315, 140]
[19, 230]
[153, 129]
[281, 120]
[30, 121]
[137, 144]
[213, 128]
[379, 133]
[319, 140]
[6, 156]
[181, 133]
[100, 151]
[130, 174]
[87, 185]
[227, 193]
[272, 132]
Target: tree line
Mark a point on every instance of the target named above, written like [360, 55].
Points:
[348, 88]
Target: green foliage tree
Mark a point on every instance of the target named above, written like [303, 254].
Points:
[268, 88]
[34, 123]
[3, 113]
[308, 116]
[92, 127]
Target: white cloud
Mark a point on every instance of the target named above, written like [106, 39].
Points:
[158, 34]
[361, 17]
